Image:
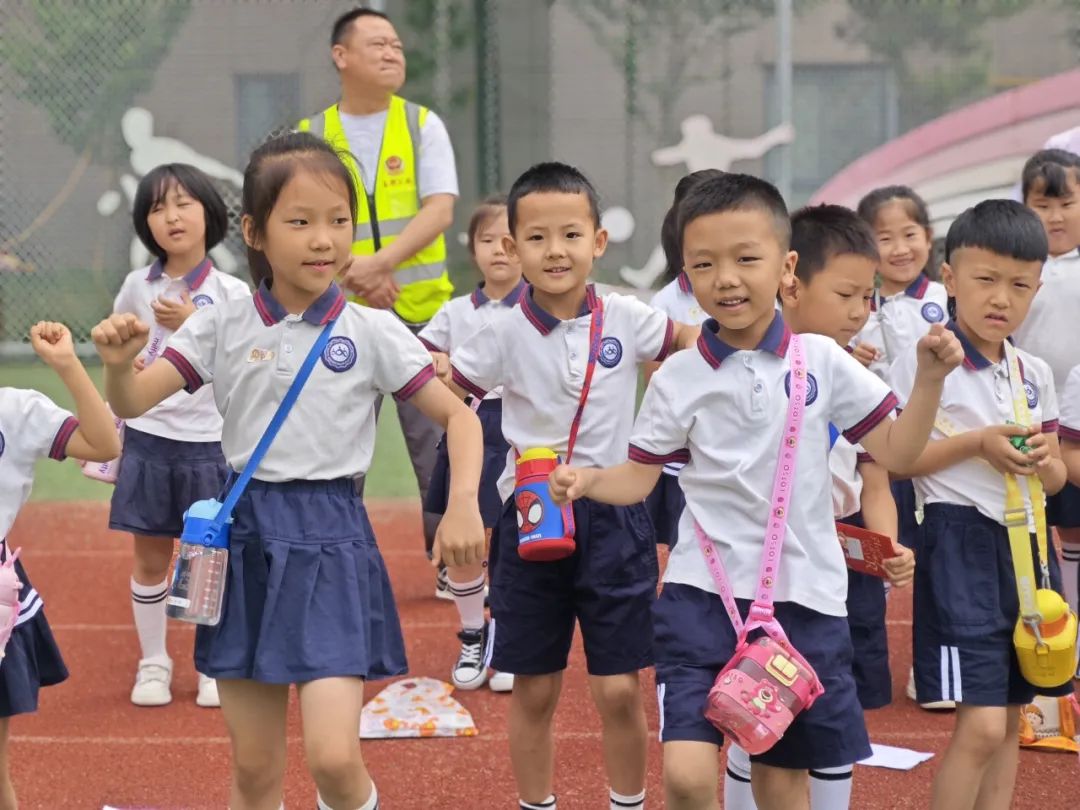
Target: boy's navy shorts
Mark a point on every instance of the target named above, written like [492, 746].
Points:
[869, 637]
[695, 640]
[1063, 509]
[608, 585]
[966, 609]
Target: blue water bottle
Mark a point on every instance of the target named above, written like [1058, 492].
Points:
[545, 529]
[198, 584]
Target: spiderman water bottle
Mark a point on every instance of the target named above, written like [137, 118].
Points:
[545, 529]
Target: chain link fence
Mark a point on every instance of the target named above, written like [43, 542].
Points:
[635, 92]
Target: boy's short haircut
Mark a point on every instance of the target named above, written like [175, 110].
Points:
[1047, 172]
[736, 192]
[552, 178]
[1004, 227]
[820, 233]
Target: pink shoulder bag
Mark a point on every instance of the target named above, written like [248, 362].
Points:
[767, 683]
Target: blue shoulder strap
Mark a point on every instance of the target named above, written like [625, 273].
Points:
[272, 429]
[834, 434]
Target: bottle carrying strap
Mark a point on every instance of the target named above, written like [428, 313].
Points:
[272, 429]
[596, 333]
[1015, 517]
[761, 611]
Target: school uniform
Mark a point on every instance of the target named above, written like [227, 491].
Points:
[722, 412]
[609, 583]
[1046, 333]
[965, 600]
[866, 594]
[307, 595]
[666, 502]
[172, 453]
[455, 322]
[31, 428]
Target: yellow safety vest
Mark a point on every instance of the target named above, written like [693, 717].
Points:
[383, 215]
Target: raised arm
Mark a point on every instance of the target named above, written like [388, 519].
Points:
[119, 339]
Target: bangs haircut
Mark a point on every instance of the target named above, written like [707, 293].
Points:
[551, 178]
[822, 232]
[155, 187]
[736, 192]
[485, 212]
[1047, 172]
[1004, 227]
[271, 167]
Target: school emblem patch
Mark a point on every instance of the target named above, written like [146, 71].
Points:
[811, 387]
[394, 165]
[339, 354]
[201, 301]
[932, 312]
[610, 352]
[1032, 392]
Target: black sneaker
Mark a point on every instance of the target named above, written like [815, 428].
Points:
[470, 672]
[442, 585]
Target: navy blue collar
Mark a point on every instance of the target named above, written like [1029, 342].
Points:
[916, 289]
[325, 308]
[715, 351]
[479, 297]
[194, 278]
[973, 358]
[543, 320]
[684, 282]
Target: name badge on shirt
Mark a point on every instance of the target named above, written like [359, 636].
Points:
[260, 355]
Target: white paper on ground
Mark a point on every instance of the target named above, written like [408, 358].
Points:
[899, 759]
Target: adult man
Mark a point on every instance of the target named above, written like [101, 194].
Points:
[406, 183]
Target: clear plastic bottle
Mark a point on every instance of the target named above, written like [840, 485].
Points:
[198, 585]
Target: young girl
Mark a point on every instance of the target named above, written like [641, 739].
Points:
[307, 597]
[32, 428]
[1051, 188]
[172, 453]
[676, 300]
[457, 321]
[905, 304]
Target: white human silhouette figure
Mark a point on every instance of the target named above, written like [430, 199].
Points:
[702, 147]
[149, 151]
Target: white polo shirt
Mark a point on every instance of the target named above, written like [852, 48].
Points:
[250, 350]
[722, 411]
[977, 395]
[180, 417]
[31, 427]
[897, 322]
[1069, 428]
[1049, 330]
[540, 361]
[676, 300]
[847, 484]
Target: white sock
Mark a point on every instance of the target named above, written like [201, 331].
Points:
[546, 804]
[371, 804]
[620, 802]
[148, 607]
[830, 788]
[737, 793]
[469, 598]
[1070, 566]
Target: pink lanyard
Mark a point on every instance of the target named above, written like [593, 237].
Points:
[761, 611]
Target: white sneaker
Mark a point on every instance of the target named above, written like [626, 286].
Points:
[469, 671]
[442, 585]
[152, 682]
[501, 682]
[207, 696]
[932, 706]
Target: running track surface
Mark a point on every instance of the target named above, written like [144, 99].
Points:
[88, 746]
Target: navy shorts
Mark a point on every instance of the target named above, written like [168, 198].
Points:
[966, 609]
[666, 503]
[159, 479]
[1063, 509]
[695, 640]
[32, 659]
[306, 593]
[869, 637]
[907, 526]
[608, 585]
[495, 452]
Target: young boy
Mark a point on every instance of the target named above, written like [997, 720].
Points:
[1051, 188]
[722, 409]
[33, 428]
[538, 353]
[966, 603]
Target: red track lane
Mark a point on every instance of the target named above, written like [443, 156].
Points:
[88, 746]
